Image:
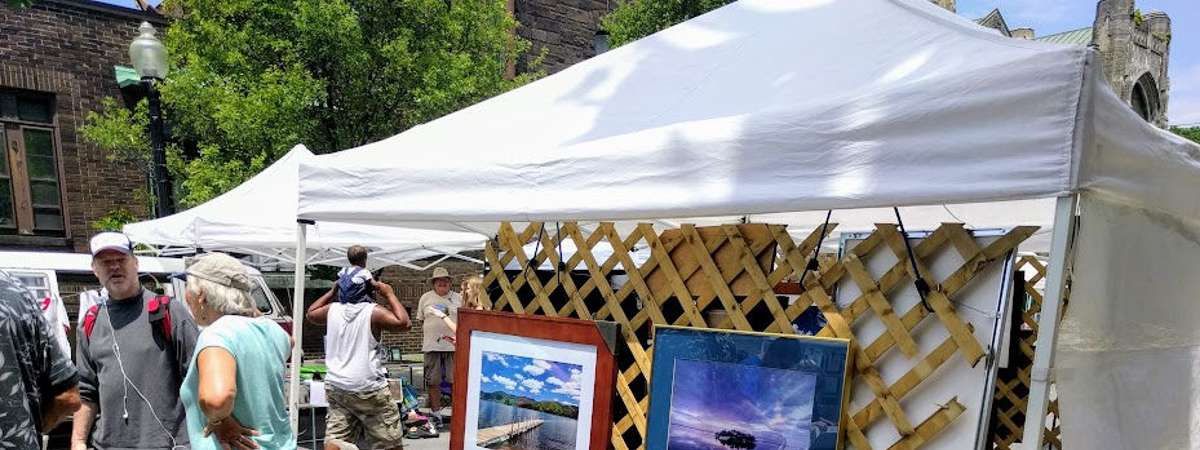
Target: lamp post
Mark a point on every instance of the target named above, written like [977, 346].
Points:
[149, 57]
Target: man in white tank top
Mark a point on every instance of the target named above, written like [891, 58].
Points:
[356, 387]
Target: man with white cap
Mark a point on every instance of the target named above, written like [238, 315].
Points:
[132, 351]
[437, 342]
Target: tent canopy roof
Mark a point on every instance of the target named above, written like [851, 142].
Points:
[258, 217]
[767, 107]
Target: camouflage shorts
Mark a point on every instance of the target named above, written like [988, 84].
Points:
[351, 414]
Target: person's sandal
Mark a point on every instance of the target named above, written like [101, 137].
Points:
[413, 433]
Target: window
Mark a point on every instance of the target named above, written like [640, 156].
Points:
[260, 299]
[38, 284]
[30, 181]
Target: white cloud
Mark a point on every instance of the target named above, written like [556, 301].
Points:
[533, 386]
[519, 376]
[484, 379]
[571, 388]
[496, 357]
[541, 363]
[534, 370]
[508, 383]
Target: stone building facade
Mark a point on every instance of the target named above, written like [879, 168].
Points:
[1135, 48]
[57, 61]
[565, 30]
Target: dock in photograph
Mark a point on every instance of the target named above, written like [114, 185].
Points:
[494, 435]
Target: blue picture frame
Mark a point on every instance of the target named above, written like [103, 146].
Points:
[721, 390]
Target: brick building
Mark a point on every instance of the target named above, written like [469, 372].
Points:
[57, 62]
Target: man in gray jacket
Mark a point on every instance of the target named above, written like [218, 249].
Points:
[132, 352]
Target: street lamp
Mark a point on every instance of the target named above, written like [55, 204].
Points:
[149, 57]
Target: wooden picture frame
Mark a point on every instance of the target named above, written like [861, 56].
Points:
[575, 340]
[772, 388]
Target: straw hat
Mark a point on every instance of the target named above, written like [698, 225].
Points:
[439, 272]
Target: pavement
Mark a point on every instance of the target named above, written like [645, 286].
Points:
[441, 442]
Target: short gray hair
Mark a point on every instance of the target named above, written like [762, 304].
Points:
[223, 299]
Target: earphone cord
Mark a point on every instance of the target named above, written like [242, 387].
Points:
[126, 383]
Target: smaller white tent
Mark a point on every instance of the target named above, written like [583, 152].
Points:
[259, 218]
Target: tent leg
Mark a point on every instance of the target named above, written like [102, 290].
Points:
[1043, 358]
[297, 325]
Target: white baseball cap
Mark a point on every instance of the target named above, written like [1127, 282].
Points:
[111, 240]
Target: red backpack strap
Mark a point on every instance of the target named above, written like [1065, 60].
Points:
[89, 321]
[159, 310]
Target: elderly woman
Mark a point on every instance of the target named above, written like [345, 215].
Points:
[233, 391]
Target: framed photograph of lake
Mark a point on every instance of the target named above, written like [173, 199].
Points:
[730, 390]
[532, 382]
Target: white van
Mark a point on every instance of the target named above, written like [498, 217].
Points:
[63, 276]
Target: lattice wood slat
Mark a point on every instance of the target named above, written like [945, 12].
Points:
[693, 274]
[1012, 386]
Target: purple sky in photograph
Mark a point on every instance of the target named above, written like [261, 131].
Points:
[775, 405]
[538, 379]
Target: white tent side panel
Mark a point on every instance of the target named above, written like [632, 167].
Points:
[1128, 366]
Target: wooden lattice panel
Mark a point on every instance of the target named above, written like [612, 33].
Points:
[742, 269]
[1012, 394]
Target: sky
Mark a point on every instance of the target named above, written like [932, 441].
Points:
[1052, 16]
[538, 379]
[775, 405]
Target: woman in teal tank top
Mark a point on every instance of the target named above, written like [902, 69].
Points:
[233, 393]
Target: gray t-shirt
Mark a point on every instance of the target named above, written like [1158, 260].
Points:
[155, 367]
[33, 368]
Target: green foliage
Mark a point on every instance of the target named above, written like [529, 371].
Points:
[114, 220]
[120, 131]
[635, 19]
[548, 407]
[21, 3]
[252, 79]
[1137, 17]
[1192, 133]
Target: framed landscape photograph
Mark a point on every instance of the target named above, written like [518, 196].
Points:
[532, 382]
[728, 390]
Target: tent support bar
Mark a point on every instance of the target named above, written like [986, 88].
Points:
[1043, 359]
[297, 327]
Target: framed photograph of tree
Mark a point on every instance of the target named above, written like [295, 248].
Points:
[532, 382]
[730, 390]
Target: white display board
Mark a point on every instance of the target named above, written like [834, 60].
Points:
[985, 303]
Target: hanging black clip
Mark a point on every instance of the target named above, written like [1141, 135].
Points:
[813, 265]
[919, 282]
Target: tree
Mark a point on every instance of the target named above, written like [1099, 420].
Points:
[635, 19]
[735, 439]
[251, 79]
[1192, 133]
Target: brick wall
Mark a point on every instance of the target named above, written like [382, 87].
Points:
[409, 285]
[565, 28]
[68, 48]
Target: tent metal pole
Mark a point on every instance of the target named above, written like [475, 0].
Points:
[297, 324]
[1043, 359]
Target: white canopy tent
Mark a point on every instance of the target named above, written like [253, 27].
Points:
[258, 218]
[781, 107]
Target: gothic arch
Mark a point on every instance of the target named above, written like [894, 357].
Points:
[1144, 98]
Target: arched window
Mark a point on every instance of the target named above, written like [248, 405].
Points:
[1144, 98]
